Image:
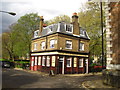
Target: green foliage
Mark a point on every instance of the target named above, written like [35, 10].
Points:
[17, 42]
[90, 19]
[59, 19]
[23, 32]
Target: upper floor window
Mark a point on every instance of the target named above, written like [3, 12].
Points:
[35, 46]
[69, 62]
[81, 62]
[68, 44]
[52, 43]
[36, 33]
[43, 45]
[69, 28]
[82, 32]
[50, 27]
[82, 46]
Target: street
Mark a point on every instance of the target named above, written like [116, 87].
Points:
[12, 78]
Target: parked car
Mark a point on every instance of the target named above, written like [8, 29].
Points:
[6, 64]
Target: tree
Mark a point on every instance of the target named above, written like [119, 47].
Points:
[17, 42]
[7, 46]
[59, 19]
[90, 20]
[23, 31]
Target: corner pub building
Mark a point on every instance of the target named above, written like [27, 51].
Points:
[61, 47]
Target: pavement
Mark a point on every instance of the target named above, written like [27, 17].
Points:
[92, 84]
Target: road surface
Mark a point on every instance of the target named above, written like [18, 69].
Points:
[12, 78]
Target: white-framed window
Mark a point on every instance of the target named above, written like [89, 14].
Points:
[48, 61]
[43, 45]
[35, 60]
[82, 46]
[39, 60]
[69, 60]
[68, 44]
[36, 33]
[35, 46]
[81, 62]
[69, 28]
[32, 62]
[43, 61]
[82, 32]
[53, 61]
[52, 43]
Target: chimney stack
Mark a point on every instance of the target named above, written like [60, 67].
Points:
[75, 23]
[75, 18]
[41, 24]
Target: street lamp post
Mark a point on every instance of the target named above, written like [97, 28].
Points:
[101, 14]
[102, 34]
[11, 13]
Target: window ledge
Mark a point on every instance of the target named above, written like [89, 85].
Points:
[80, 66]
[81, 50]
[68, 48]
[68, 66]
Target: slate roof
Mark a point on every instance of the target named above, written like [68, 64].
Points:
[60, 27]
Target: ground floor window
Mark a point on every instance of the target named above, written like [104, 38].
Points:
[39, 60]
[48, 61]
[32, 62]
[75, 61]
[53, 61]
[43, 61]
[81, 62]
[69, 62]
[35, 60]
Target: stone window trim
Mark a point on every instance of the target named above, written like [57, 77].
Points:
[43, 45]
[35, 46]
[52, 43]
[68, 44]
[82, 46]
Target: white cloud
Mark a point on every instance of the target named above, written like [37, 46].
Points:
[47, 8]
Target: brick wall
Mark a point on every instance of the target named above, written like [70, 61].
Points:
[115, 23]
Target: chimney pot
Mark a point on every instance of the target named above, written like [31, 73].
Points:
[74, 14]
[44, 25]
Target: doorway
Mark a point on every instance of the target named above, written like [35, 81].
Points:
[61, 65]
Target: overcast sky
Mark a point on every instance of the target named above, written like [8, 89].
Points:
[46, 8]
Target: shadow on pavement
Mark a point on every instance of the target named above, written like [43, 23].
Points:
[16, 78]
